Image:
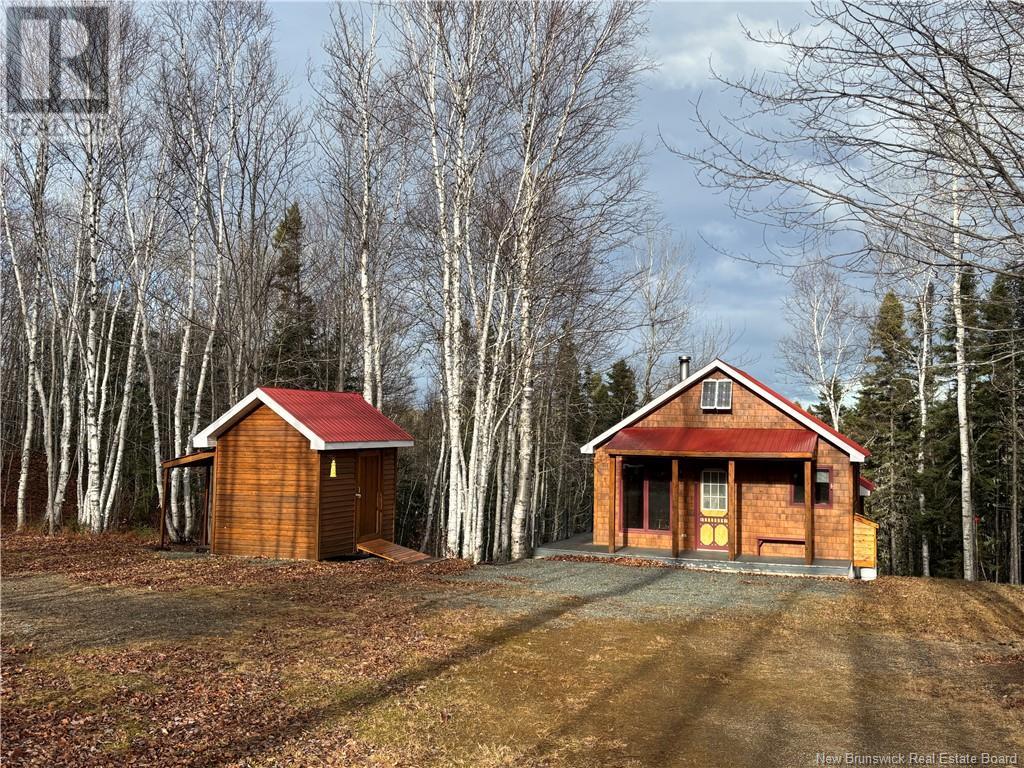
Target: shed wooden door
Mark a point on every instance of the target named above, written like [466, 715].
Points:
[368, 496]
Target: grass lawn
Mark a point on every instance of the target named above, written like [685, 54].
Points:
[115, 655]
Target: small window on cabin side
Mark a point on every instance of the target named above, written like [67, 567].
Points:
[823, 486]
[716, 395]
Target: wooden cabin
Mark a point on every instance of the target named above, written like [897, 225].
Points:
[721, 466]
[300, 474]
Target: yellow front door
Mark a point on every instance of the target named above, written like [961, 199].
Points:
[713, 509]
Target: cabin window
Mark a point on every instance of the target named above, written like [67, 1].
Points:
[647, 495]
[633, 495]
[716, 395]
[659, 496]
[822, 486]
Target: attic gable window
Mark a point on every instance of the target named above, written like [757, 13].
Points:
[716, 395]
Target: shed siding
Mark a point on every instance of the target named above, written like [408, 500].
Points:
[265, 490]
[337, 504]
[763, 487]
[389, 461]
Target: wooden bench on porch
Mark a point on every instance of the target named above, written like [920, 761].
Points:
[778, 540]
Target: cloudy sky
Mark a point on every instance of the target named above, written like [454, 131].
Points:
[683, 38]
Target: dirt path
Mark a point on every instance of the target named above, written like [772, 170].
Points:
[235, 662]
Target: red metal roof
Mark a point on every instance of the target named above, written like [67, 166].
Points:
[835, 433]
[337, 417]
[867, 484]
[768, 442]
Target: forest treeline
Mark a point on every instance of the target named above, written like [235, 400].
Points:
[916, 460]
[440, 228]
[455, 224]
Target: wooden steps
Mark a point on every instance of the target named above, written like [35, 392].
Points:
[391, 551]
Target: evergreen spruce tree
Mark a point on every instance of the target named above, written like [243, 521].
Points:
[883, 419]
[570, 475]
[293, 346]
[996, 414]
[620, 395]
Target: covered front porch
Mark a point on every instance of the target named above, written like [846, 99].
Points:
[718, 496]
[582, 544]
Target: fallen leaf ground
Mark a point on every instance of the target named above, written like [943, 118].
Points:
[115, 655]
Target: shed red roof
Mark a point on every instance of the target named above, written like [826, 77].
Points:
[866, 484]
[337, 417]
[329, 420]
[681, 440]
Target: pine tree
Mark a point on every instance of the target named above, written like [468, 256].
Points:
[884, 419]
[293, 345]
[615, 397]
[995, 414]
[570, 474]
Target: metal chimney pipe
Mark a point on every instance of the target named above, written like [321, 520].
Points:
[684, 367]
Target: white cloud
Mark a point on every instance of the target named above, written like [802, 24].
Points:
[690, 46]
[720, 232]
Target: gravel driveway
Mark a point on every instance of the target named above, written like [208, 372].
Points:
[600, 590]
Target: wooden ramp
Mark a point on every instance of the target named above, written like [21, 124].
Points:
[391, 551]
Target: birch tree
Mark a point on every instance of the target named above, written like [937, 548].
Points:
[823, 350]
[368, 150]
[665, 302]
[504, 144]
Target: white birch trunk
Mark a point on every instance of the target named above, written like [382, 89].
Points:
[1015, 564]
[432, 496]
[28, 299]
[30, 313]
[522, 510]
[90, 515]
[923, 368]
[26, 449]
[370, 393]
[154, 413]
[108, 495]
[962, 408]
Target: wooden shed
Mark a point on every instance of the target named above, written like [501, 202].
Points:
[302, 474]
